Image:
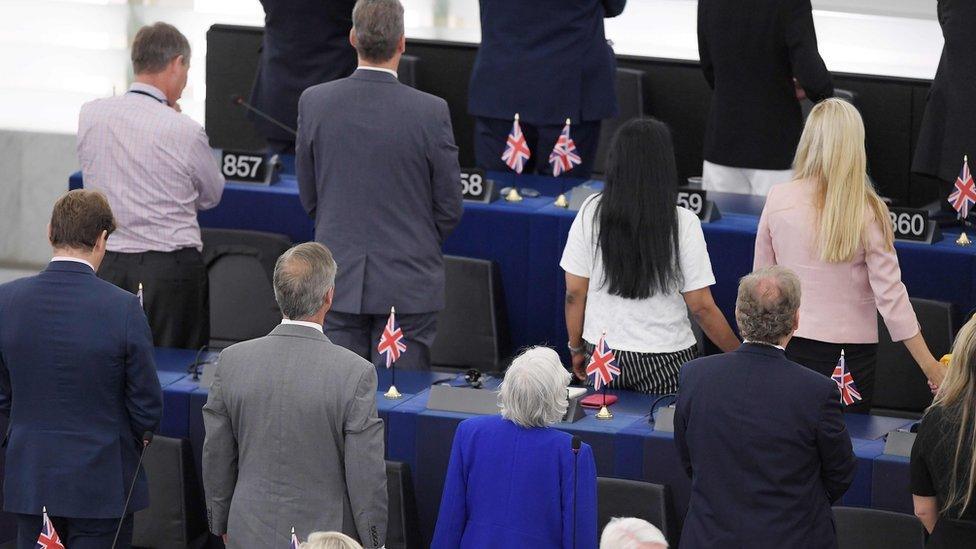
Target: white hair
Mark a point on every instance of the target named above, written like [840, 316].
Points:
[533, 393]
[330, 540]
[632, 533]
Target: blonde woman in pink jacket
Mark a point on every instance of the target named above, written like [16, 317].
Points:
[830, 227]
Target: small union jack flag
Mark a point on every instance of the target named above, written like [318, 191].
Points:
[517, 149]
[845, 382]
[564, 155]
[391, 342]
[964, 193]
[603, 365]
[48, 539]
[295, 544]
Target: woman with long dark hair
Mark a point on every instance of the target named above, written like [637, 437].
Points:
[636, 264]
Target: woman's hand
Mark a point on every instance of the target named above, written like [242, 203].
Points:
[936, 373]
[579, 366]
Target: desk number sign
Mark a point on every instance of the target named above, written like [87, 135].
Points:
[245, 167]
[475, 187]
[913, 225]
[692, 199]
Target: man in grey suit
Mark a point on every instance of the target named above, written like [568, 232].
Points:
[293, 438]
[378, 170]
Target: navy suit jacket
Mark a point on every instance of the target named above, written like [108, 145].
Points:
[306, 42]
[79, 386]
[508, 486]
[764, 442]
[378, 170]
[547, 60]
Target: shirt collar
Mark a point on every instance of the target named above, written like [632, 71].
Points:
[378, 69]
[74, 259]
[151, 90]
[780, 347]
[312, 325]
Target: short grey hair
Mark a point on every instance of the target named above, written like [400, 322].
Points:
[330, 540]
[378, 25]
[156, 45]
[302, 277]
[632, 533]
[533, 393]
[767, 303]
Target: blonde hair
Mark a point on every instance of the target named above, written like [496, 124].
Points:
[330, 540]
[957, 398]
[831, 154]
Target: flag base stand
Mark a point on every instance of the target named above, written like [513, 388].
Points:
[963, 240]
[604, 413]
[392, 393]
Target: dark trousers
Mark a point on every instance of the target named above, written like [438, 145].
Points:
[361, 334]
[75, 533]
[821, 357]
[175, 293]
[491, 138]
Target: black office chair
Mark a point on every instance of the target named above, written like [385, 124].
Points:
[860, 528]
[631, 498]
[900, 388]
[175, 516]
[407, 71]
[240, 267]
[402, 530]
[472, 330]
[630, 98]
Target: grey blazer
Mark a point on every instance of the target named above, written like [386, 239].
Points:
[378, 170]
[293, 440]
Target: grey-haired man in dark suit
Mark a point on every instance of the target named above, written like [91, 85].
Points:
[378, 170]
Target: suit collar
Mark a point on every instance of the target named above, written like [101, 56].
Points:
[297, 330]
[760, 349]
[69, 267]
[374, 76]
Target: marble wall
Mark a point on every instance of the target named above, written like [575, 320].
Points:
[34, 170]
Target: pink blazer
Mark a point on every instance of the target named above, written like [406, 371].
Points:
[840, 300]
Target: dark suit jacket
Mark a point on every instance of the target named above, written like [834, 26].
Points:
[306, 42]
[750, 52]
[547, 60]
[79, 385]
[764, 442]
[508, 486]
[948, 131]
[377, 169]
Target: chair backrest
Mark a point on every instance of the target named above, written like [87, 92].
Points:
[630, 98]
[900, 387]
[174, 518]
[407, 71]
[240, 265]
[472, 330]
[858, 528]
[402, 530]
[268, 246]
[631, 498]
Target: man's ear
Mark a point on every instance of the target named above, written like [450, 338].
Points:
[329, 297]
[102, 242]
[352, 37]
[402, 46]
[796, 320]
[49, 233]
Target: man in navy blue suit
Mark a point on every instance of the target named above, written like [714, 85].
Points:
[547, 60]
[762, 438]
[78, 386]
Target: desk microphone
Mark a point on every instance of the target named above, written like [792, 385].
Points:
[238, 100]
[146, 440]
[577, 443]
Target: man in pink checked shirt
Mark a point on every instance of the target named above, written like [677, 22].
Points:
[157, 170]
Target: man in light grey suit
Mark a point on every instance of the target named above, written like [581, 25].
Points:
[377, 169]
[293, 438]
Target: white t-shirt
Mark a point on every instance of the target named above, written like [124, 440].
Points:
[658, 324]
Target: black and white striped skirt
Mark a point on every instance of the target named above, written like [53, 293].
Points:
[651, 373]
